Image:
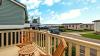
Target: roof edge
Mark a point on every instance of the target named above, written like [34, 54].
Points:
[18, 3]
[72, 23]
[96, 21]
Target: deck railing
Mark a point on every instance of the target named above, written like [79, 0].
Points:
[8, 38]
[76, 47]
[13, 37]
[48, 42]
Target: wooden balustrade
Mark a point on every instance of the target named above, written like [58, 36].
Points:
[47, 42]
[52, 40]
[9, 38]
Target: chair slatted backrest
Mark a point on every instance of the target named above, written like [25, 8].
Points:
[60, 49]
[26, 37]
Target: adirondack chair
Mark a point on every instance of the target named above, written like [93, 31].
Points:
[25, 40]
[60, 49]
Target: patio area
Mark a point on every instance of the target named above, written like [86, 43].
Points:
[9, 51]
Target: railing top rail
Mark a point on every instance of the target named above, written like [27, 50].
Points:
[9, 31]
[79, 42]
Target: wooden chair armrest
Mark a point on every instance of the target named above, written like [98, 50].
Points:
[41, 53]
[20, 45]
[44, 55]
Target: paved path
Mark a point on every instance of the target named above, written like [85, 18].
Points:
[79, 37]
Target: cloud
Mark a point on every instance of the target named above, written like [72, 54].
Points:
[60, 18]
[36, 3]
[85, 9]
[66, 15]
[50, 2]
[32, 7]
[67, 3]
[56, 1]
[48, 10]
[71, 14]
[36, 12]
[31, 4]
[98, 7]
[91, 1]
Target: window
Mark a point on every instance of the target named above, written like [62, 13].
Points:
[69, 25]
[86, 25]
[0, 2]
[72, 25]
[81, 26]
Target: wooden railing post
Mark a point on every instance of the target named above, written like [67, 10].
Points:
[31, 35]
[15, 37]
[28, 35]
[19, 37]
[40, 39]
[11, 38]
[98, 52]
[77, 50]
[51, 44]
[2, 39]
[7, 39]
[69, 49]
[64, 53]
[47, 43]
[43, 41]
[36, 37]
[87, 51]
[54, 44]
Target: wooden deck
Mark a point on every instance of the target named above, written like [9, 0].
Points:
[9, 51]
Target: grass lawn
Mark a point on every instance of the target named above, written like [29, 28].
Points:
[91, 35]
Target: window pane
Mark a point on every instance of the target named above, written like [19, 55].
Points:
[0, 2]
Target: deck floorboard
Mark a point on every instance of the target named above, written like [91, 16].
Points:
[9, 51]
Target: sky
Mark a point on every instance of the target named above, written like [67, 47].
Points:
[63, 11]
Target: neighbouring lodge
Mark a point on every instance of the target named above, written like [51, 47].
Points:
[97, 26]
[78, 26]
[12, 15]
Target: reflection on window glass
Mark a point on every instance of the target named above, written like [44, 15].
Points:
[0, 2]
